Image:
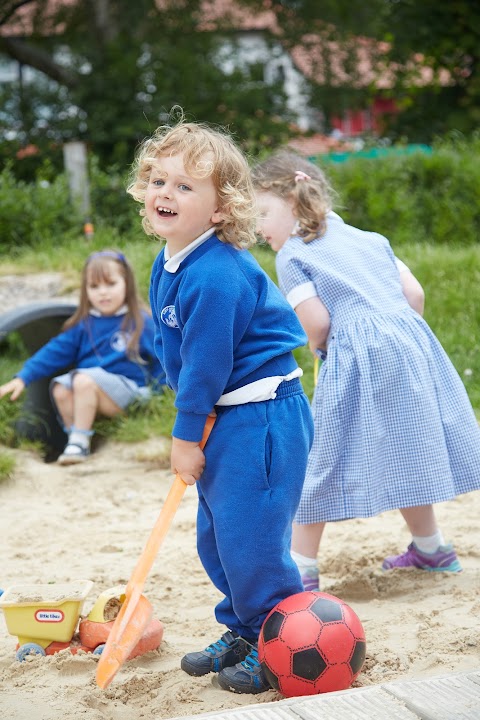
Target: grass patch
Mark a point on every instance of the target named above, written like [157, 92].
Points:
[451, 279]
[7, 466]
[450, 276]
[69, 259]
[143, 421]
[12, 355]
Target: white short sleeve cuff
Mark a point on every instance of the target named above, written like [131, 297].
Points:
[302, 292]
[401, 267]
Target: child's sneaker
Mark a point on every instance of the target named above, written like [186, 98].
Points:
[227, 651]
[444, 559]
[73, 454]
[245, 677]
[311, 580]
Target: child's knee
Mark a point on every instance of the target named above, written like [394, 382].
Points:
[82, 381]
[60, 392]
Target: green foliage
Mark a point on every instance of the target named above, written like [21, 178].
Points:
[418, 197]
[12, 354]
[34, 212]
[446, 34]
[153, 419]
[143, 58]
[9, 413]
[449, 275]
[29, 164]
[140, 62]
[427, 205]
[35, 202]
[112, 207]
[431, 198]
[7, 466]
[424, 55]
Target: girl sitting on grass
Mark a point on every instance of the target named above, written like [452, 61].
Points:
[109, 343]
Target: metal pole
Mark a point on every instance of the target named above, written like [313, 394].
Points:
[76, 166]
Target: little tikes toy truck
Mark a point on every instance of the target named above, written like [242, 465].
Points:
[45, 619]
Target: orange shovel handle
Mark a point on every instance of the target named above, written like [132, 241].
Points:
[161, 527]
[136, 610]
[159, 531]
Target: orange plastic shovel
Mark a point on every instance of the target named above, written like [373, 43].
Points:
[136, 611]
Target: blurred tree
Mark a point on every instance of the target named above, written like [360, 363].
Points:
[425, 55]
[109, 72]
[446, 33]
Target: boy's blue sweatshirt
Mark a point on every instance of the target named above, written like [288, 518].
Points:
[96, 342]
[221, 323]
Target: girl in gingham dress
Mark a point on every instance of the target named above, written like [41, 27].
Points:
[394, 428]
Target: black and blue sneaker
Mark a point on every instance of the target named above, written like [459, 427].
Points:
[227, 651]
[245, 677]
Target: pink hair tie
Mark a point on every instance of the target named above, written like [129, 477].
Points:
[300, 176]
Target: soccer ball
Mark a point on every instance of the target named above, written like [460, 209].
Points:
[311, 643]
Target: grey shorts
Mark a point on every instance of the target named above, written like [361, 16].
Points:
[120, 389]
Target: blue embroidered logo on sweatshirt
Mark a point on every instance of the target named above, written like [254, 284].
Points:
[169, 316]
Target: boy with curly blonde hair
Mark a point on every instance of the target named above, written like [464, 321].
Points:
[225, 337]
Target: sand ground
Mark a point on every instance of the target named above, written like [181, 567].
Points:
[90, 522]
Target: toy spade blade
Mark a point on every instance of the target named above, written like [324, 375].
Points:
[136, 610]
[123, 638]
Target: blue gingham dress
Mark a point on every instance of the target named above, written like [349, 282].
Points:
[394, 426]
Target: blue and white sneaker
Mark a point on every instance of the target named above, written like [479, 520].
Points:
[245, 677]
[227, 651]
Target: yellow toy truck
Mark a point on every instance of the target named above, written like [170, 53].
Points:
[47, 619]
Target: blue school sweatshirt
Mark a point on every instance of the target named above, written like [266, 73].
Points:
[97, 342]
[220, 324]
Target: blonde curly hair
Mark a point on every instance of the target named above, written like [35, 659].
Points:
[311, 197]
[207, 152]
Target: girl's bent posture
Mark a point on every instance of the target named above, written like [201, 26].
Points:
[393, 424]
[109, 342]
[225, 336]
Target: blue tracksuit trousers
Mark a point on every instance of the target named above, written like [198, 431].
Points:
[256, 458]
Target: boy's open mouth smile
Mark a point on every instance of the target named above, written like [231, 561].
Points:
[165, 212]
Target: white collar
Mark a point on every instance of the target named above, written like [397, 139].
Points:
[121, 311]
[173, 263]
[333, 216]
[330, 215]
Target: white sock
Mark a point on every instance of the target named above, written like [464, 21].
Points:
[79, 437]
[304, 563]
[430, 543]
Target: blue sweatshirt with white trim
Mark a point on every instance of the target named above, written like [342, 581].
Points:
[220, 324]
[97, 341]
